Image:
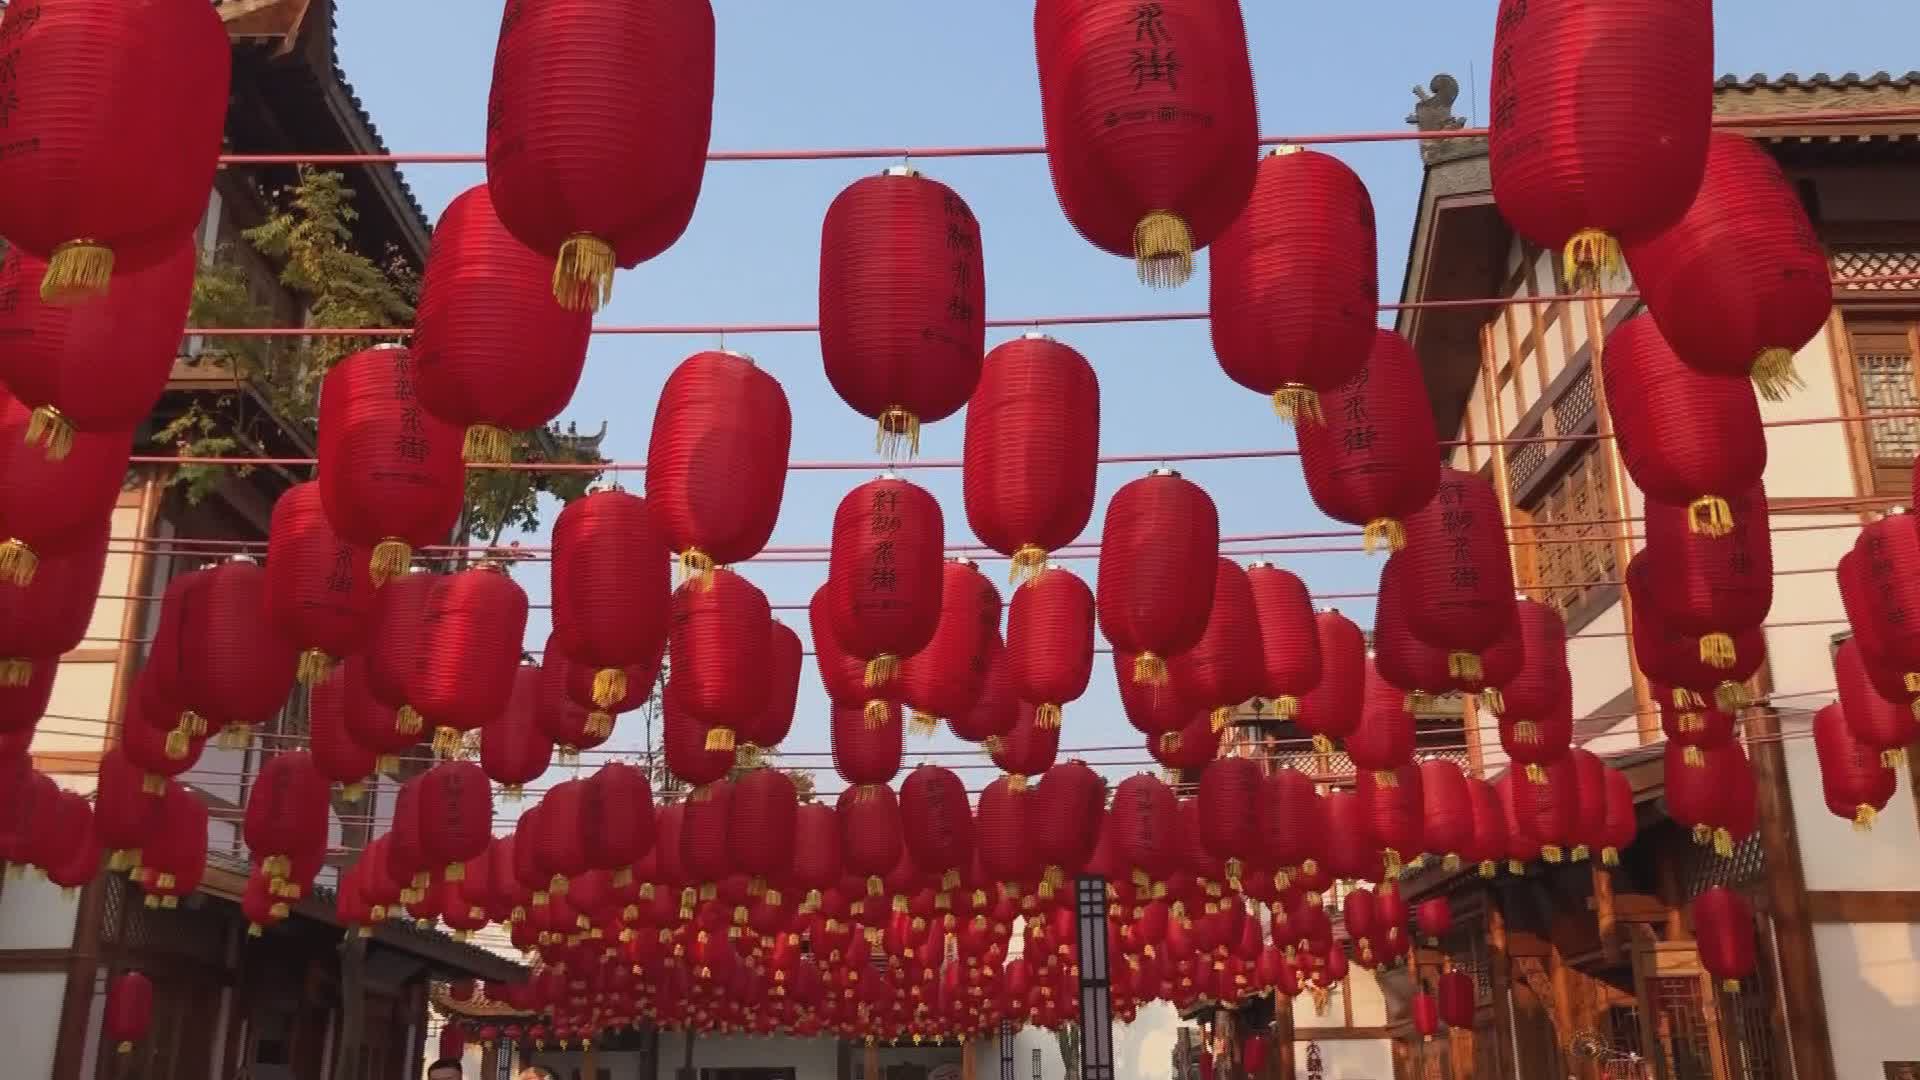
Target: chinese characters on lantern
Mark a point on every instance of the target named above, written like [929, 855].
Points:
[411, 444]
[1358, 437]
[14, 23]
[1456, 522]
[883, 574]
[1154, 65]
[962, 248]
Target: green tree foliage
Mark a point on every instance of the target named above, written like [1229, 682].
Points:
[309, 237]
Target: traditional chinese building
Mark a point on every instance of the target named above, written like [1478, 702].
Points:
[274, 1007]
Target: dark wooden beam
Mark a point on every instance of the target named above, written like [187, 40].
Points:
[1850, 907]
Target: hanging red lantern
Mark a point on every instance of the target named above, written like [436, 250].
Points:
[1144, 817]
[1289, 644]
[1457, 563]
[129, 1012]
[118, 184]
[1372, 463]
[1621, 817]
[390, 473]
[1883, 725]
[50, 508]
[902, 302]
[1154, 593]
[1878, 578]
[612, 602]
[1073, 800]
[1747, 252]
[1229, 808]
[236, 669]
[936, 823]
[1543, 676]
[456, 816]
[593, 162]
[1223, 669]
[885, 575]
[1580, 162]
[1426, 1015]
[23, 704]
[98, 366]
[1352, 854]
[1710, 586]
[49, 617]
[1131, 181]
[286, 813]
[1723, 929]
[397, 642]
[1190, 748]
[1856, 785]
[1031, 450]
[1383, 739]
[1447, 810]
[1026, 751]
[769, 727]
[1590, 803]
[717, 460]
[997, 710]
[763, 813]
[152, 734]
[722, 640]
[476, 621]
[1435, 917]
[946, 677]
[1672, 657]
[1395, 808]
[497, 355]
[514, 749]
[318, 590]
[1001, 831]
[70, 850]
[1050, 640]
[866, 746]
[1292, 822]
[691, 755]
[1402, 660]
[1687, 438]
[337, 752]
[1457, 998]
[1332, 708]
[1490, 840]
[870, 836]
[125, 813]
[1293, 283]
[706, 853]
[1547, 807]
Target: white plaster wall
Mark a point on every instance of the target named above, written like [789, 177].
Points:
[1834, 856]
[30, 1019]
[34, 915]
[1369, 1005]
[1347, 1059]
[1597, 656]
[1143, 1050]
[1870, 975]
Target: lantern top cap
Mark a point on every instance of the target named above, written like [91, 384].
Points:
[386, 345]
[962, 560]
[1286, 148]
[1262, 564]
[901, 169]
[736, 354]
[1035, 335]
[1164, 471]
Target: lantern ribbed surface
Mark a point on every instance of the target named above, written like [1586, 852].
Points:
[1600, 120]
[816, 848]
[592, 159]
[717, 459]
[177, 855]
[619, 803]
[997, 709]
[1687, 438]
[1383, 739]
[1192, 746]
[1723, 931]
[1145, 820]
[1853, 780]
[1622, 817]
[1543, 675]
[370, 723]
[1457, 997]
[885, 575]
[50, 508]
[843, 675]
[612, 597]
[763, 811]
[476, 621]
[1880, 584]
[319, 592]
[286, 812]
[705, 850]
[769, 726]
[946, 677]
[1293, 283]
[1131, 181]
[1222, 670]
[1458, 565]
[1740, 283]
[1352, 854]
[902, 302]
[238, 669]
[1289, 644]
[1029, 749]
[1712, 587]
[337, 753]
[1292, 820]
[497, 354]
[870, 838]
[99, 365]
[456, 816]
[1590, 791]
[114, 124]
[1032, 443]
[866, 746]
[641, 679]
[1539, 740]
[1154, 592]
[41, 621]
[937, 822]
[1885, 725]
[1049, 651]
[1400, 658]
[1073, 801]
[1668, 654]
[390, 471]
[1548, 809]
[514, 749]
[1332, 708]
[722, 641]
[1396, 808]
[1446, 809]
[1001, 827]
[397, 643]
[1489, 846]
[690, 755]
[1229, 799]
[125, 812]
[1371, 463]
[129, 1012]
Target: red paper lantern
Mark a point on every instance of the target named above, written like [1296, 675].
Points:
[1403, 661]
[476, 621]
[592, 160]
[286, 814]
[1543, 677]
[997, 710]
[125, 813]
[49, 617]
[1073, 801]
[1590, 802]
[236, 670]
[870, 833]
[1253, 1054]
[1435, 917]
[691, 756]
[722, 641]
[390, 471]
[1710, 586]
[706, 851]
[945, 678]
[1490, 842]
[456, 816]
[514, 749]
[497, 355]
[1028, 750]
[70, 850]
[1621, 817]
[1144, 818]
[318, 589]
[1383, 739]
[1854, 781]
[1293, 283]
[1371, 463]
[1746, 253]
[612, 601]
[937, 824]
[866, 746]
[1457, 998]
[1050, 640]
[1687, 438]
[1883, 725]
[50, 508]
[1447, 810]
[337, 752]
[816, 850]
[558, 848]
[1289, 643]
[122, 181]
[98, 366]
[1671, 656]
[1031, 449]
[1332, 708]
[1426, 1015]
[717, 459]
[1292, 821]
[1395, 808]
[1133, 182]
[770, 725]
[1880, 585]
[1158, 546]
[149, 734]
[885, 575]
[1223, 669]
[1600, 122]
[129, 1013]
[902, 302]
[619, 804]
[763, 813]
[397, 642]
[1190, 748]
[1723, 929]
[1547, 808]
[1458, 565]
[1229, 807]
[1001, 829]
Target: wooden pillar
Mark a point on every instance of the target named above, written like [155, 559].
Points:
[1283, 1036]
[1502, 976]
[1603, 915]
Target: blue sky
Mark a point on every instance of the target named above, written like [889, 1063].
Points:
[906, 72]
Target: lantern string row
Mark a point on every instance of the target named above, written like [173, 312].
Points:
[1754, 121]
[1876, 282]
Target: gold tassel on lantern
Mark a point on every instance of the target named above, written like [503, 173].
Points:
[1590, 255]
[1687, 699]
[882, 670]
[1710, 515]
[897, 429]
[1895, 758]
[599, 724]
[1285, 707]
[1693, 757]
[1716, 650]
[1723, 843]
[1380, 531]
[315, 666]
[1488, 868]
[17, 562]
[1046, 716]
[1163, 250]
[487, 445]
[1731, 696]
[1028, 562]
[609, 686]
[408, 721]
[583, 273]
[1773, 374]
[720, 739]
[1464, 665]
[1170, 743]
[876, 713]
[1526, 733]
[17, 671]
[1863, 816]
[1492, 700]
[1296, 404]
[1016, 783]
[1536, 773]
[176, 744]
[78, 270]
[1610, 856]
[46, 427]
[923, 723]
[1149, 670]
[391, 557]
[153, 784]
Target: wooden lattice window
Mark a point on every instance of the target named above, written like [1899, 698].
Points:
[1567, 556]
[1884, 352]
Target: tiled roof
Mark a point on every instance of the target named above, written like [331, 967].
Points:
[1852, 80]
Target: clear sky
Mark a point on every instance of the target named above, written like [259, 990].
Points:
[914, 72]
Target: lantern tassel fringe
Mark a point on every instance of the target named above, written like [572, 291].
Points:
[1285, 707]
[1690, 722]
[882, 670]
[599, 724]
[1717, 650]
[153, 784]
[47, 428]
[1046, 716]
[1465, 665]
[1591, 254]
[897, 434]
[1493, 700]
[352, 792]
[1693, 757]
[1297, 404]
[1028, 563]
[77, 270]
[1526, 733]
[1774, 377]
[583, 273]
[17, 671]
[391, 557]
[1163, 250]
[407, 720]
[18, 563]
[1863, 818]
[1219, 719]
[1610, 856]
[926, 724]
[1536, 773]
[1895, 758]
[1383, 530]
[1149, 670]
[487, 445]
[1322, 744]
[876, 713]
[1488, 868]
[1723, 843]
[315, 666]
[1451, 861]
[1580, 853]
[609, 686]
[1710, 515]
